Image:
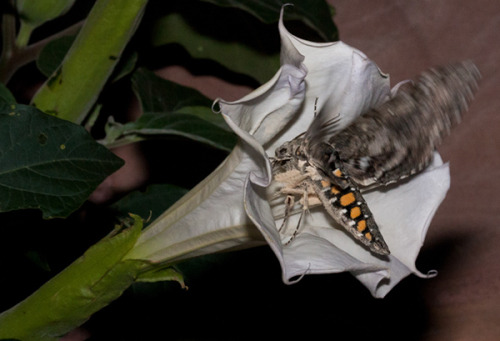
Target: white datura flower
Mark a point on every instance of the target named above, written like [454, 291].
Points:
[229, 208]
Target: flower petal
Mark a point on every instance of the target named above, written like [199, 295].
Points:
[341, 79]
[200, 222]
[404, 213]
[265, 111]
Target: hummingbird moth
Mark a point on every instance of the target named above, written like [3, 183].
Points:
[329, 166]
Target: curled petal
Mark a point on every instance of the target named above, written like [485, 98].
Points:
[264, 112]
[340, 81]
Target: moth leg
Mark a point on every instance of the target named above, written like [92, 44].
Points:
[296, 229]
[289, 202]
[305, 208]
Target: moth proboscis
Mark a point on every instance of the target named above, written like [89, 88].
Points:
[329, 166]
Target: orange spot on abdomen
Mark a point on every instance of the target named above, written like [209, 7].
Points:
[361, 225]
[355, 212]
[347, 199]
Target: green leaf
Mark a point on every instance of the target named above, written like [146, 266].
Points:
[48, 163]
[170, 109]
[154, 125]
[150, 203]
[160, 95]
[71, 297]
[6, 96]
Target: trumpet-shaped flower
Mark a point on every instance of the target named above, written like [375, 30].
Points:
[227, 209]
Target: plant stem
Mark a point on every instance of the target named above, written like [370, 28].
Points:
[24, 34]
[8, 48]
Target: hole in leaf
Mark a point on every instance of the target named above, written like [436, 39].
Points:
[42, 138]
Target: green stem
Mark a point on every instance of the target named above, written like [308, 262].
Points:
[24, 34]
[74, 88]
[8, 46]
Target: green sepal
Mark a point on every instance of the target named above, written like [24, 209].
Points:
[161, 274]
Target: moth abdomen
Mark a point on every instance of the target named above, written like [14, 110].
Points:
[349, 209]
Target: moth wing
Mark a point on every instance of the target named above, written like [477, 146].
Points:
[398, 138]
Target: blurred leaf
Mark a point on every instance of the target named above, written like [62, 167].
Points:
[242, 36]
[235, 55]
[150, 203]
[53, 54]
[38, 260]
[125, 66]
[48, 163]
[317, 14]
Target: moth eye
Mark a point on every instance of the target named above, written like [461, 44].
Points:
[281, 151]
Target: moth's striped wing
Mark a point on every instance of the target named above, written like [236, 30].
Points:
[398, 138]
